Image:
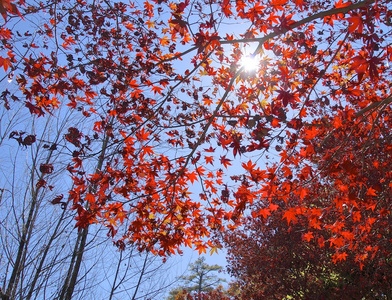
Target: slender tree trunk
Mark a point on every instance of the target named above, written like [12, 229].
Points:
[115, 276]
[79, 257]
[23, 244]
[44, 255]
[140, 277]
[70, 269]
[73, 271]
[200, 284]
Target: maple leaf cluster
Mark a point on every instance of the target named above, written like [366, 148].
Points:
[171, 131]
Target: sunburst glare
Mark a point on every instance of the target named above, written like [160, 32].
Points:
[250, 63]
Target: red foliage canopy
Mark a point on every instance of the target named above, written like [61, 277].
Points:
[164, 103]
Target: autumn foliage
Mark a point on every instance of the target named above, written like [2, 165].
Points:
[187, 141]
[271, 259]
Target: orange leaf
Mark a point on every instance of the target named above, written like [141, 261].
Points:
[303, 194]
[165, 41]
[192, 176]
[265, 212]
[278, 2]
[157, 89]
[290, 215]
[273, 207]
[308, 236]
[371, 192]
[225, 161]
[340, 4]
[207, 101]
[209, 160]
[249, 166]
[142, 135]
[355, 24]
[339, 257]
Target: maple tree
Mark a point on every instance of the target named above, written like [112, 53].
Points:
[271, 259]
[166, 106]
[39, 246]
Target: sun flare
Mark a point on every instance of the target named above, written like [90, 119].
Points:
[250, 63]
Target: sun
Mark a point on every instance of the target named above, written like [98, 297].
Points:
[250, 63]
